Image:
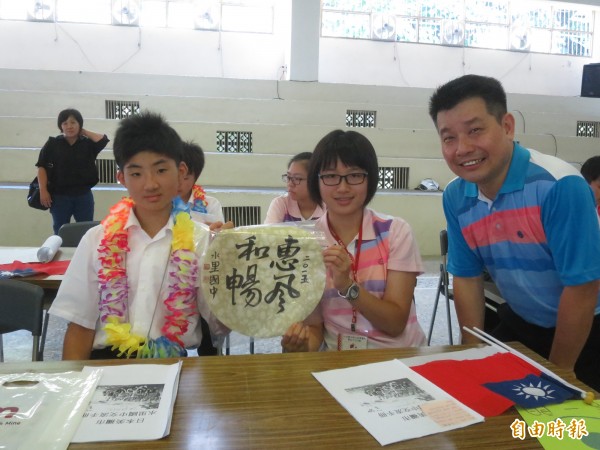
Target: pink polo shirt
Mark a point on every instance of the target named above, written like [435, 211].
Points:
[284, 209]
[388, 244]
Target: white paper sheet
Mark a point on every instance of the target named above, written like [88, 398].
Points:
[133, 402]
[394, 403]
[9, 255]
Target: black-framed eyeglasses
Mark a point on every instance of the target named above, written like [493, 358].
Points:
[295, 180]
[333, 179]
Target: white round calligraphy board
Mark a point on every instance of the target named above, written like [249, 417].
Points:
[259, 280]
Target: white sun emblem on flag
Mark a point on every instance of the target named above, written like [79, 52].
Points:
[539, 391]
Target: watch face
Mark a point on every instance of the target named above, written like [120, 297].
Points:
[353, 292]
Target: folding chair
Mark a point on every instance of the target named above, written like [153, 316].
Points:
[71, 233]
[443, 288]
[21, 307]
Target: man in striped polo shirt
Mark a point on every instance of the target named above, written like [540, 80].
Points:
[527, 218]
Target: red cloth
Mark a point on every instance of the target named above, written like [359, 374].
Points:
[50, 268]
[463, 379]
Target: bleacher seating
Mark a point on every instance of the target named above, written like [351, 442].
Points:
[284, 120]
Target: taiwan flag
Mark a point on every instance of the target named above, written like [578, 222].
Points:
[533, 391]
[20, 269]
[471, 381]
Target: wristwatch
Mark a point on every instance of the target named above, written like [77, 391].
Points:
[351, 293]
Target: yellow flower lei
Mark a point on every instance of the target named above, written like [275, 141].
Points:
[114, 292]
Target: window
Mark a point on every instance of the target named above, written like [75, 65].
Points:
[250, 19]
[588, 129]
[246, 16]
[90, 11]
[517, 25]
[242, 216]
[120, 109]
[107, 171]
[361, 119]
[234, 141]
[391, 178]
[154, 14]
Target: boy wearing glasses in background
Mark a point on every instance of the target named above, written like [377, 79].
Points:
[296, 205]
[372, 259]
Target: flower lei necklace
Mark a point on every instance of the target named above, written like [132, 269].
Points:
[114, 289]
[199, 202]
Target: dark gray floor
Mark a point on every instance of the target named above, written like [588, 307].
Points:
[17, 345]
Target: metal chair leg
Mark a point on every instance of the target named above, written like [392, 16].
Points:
[448, 315]
[435, 306]
[35, 353]
[443, 288]
[44, 333]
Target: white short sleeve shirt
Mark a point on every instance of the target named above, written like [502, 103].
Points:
[147, 275]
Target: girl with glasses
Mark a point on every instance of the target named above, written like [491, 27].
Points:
[372, 260]
[296, 204]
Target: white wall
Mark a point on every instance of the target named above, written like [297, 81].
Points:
[113, 49]
[419, 65]
[106, 48]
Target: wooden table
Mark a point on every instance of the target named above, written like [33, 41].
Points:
[272, 401]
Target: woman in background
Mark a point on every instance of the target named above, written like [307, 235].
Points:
[296, 205]
[67, 170]
[372, 260]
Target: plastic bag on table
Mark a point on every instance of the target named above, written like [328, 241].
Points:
[43, 410]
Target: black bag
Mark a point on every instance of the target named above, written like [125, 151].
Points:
[33, 197]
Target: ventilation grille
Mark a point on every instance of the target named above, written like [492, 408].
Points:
[588, 129]
[361, 119]
[119, 109]
[393, 178]
[234, 141]
[242, 215]
[107, 171]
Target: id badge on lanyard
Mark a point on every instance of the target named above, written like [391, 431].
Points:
[351, 341]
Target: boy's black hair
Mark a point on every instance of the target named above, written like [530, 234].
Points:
[146, 131]
[467, 87]
[66, 113]
[352, 149]
[591, 169]
[300, 157]
[193, 157]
